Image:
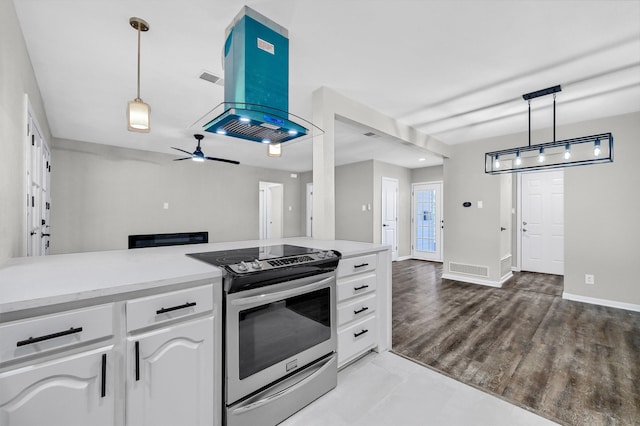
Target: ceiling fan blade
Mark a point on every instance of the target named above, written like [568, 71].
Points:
[182, 150]
[186, 158]
[223, 160]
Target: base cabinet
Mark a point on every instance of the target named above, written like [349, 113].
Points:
[171, 377]
[67, 391]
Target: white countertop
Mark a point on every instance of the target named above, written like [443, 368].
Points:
[32, 282]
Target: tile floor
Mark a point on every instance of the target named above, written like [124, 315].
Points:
[388, 390]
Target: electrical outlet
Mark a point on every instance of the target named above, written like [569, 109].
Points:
[589, 279]
[165, 206]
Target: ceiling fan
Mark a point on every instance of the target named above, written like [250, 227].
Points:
[198, 155]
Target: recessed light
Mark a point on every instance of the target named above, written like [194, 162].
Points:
[422, 159]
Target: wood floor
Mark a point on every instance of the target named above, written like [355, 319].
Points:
[575, 363]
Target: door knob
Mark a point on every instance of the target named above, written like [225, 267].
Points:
[524, 223]
[384, 224]
[524, 230]
[502, 228]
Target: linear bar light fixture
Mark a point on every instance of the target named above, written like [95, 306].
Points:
[550, 155]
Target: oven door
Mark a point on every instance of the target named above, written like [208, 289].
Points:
[273, 331]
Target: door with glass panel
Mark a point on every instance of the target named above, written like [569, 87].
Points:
[426, 221]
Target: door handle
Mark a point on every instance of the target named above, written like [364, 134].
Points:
[384, 224]
[524, 230]
[524, 223]
[502, 228]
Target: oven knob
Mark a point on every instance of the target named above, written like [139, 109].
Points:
[256, 264]
[242, 266]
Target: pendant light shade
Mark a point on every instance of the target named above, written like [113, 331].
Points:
[138, 112]
[138, 115]
[275, 150]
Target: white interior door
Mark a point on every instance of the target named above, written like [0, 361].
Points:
[542, 228]
[309, 210]
[390, 215]
[426, 219]
[38, 197]
[271, 207]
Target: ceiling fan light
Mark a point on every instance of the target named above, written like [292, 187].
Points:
[274, 150]
[138, 116]
[518, 158]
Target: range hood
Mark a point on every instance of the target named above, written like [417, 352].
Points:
[256, 83]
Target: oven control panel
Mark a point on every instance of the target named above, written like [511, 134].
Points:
[258, 265]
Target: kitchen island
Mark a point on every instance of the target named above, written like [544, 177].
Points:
[89, 330]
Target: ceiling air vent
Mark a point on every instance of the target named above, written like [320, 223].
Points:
[212, 78]
[369, 134]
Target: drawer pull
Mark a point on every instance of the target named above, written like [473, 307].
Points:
[361, 310]
[31, 340]
[175, 308]
[360, 333]
[363, 286]
[103, 388]
[137, 349]
[362, 265]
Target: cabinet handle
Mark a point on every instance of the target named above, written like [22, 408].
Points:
[103, 390]
[31, 340]
[359, 311]
[137, 361]
[361, 287]
[175, 308]
[361, 333]
[360, 265]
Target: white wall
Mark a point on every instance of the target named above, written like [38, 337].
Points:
[427, 174]
[101, 194]
[354, 188]
[16, 79]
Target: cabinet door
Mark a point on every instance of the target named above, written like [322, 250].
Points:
[72, 390]
[170, 376]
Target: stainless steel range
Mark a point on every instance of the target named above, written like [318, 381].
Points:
[279, 329]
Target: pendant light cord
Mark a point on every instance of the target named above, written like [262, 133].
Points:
[554, 117]
[139, 61]
[529, 101]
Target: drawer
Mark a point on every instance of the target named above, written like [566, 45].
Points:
[48, 332]
[356, 309]
[356, 339]
[356, 286]
[160, 308]
[355, 265]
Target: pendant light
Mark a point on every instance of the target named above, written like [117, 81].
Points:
[138, 113]
[578, 151]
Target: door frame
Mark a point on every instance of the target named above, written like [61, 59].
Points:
[394, 248]
[309, 210]
[440, 205]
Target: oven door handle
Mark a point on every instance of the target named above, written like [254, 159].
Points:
[252, 404]
[280, 295]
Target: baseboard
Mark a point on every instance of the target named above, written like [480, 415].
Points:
[601, 302]
[472, 280]
[403, 258]
[515, 269]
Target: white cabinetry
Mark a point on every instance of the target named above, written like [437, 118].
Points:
[65, 383]
[145, 359]
[357, 307]
[171, 368]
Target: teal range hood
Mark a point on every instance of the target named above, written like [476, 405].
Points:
[256, 82]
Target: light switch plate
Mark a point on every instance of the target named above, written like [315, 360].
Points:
[479, 204]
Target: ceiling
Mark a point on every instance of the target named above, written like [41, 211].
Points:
[455, 70]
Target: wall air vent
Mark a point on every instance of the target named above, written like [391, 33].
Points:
[462, 268]
[212, 78]
[505, 266]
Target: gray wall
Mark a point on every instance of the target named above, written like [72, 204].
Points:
[101, 194]
[602, 232]
[427, 174]
[16, 79]
[602, 206]
[354, 188]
